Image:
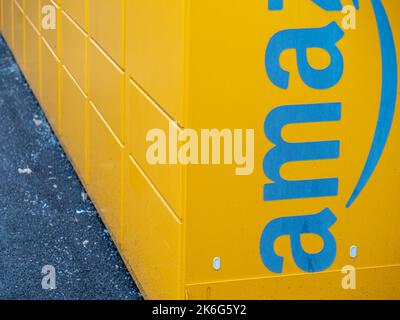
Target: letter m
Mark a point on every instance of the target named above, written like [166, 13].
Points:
[285, 152]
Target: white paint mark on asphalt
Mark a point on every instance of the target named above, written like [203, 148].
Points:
[25, 171]
[37, 122]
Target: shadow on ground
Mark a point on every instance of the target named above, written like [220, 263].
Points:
[44, 220]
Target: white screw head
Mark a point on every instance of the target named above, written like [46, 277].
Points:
[217, 263]
[353, 252]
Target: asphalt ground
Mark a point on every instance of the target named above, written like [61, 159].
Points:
[45, 219]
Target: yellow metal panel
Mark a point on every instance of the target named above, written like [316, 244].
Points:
[7, 21]
[32, 43]
[152, 238]
[155, 57]
[18, 35]
[142, 116]
[76, 9]
[50, 34]
[1, 15]
[73, 121]
[20, 4]
[217, 64]
[372, 283]
[50, 85]
[229, 88]
[106, 88]
[32, 12]
[109, 35]
[74, 49]
[105, 165]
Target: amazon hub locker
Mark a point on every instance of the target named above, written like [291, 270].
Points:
[237, 149]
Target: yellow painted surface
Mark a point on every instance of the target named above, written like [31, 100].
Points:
[106, 88]
[73, 121]
[32, 12]
[18, 35]
[142, 116]
[50, 89]
[77, 11]
[74, 55]
[105, 172]
[1, 15]
[163, 78]
[7, 27]
[303, 287]
[20, 3]
[113, 70]
[107, 25]
[32, 66]
[51, 36]
[243, 83]
[156, 260]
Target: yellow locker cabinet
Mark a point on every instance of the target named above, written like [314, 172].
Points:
[297, 101]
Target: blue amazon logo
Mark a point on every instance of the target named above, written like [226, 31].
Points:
[388, 98]
[327, 5]
[300, 40]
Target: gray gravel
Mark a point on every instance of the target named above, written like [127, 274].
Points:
[44, 219]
